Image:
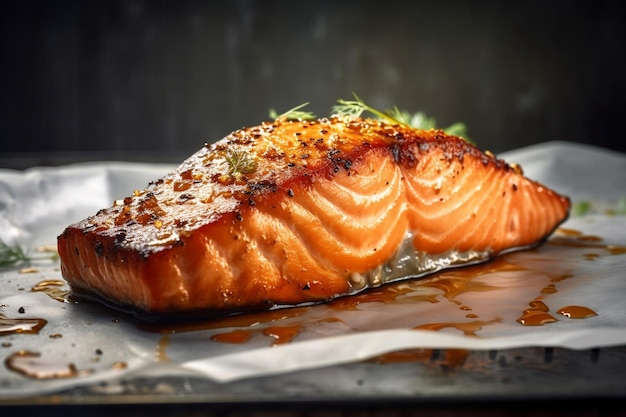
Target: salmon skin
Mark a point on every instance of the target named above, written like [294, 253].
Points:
[294, 212]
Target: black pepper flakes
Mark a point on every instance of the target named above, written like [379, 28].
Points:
[184, 197]
[120, 237]
[21, 310]
[99, 248]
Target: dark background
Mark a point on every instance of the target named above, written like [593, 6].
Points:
[140, 79]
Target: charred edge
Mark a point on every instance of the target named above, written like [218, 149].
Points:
[119, 238]
[263, 187]
[184, 198]
[273, 155]
[98, 248]
[404, 154]
[338, 162]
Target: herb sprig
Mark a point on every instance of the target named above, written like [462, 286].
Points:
[239, 163]
[14, 255]
[293, 114]
[584, 207]
[11, 255]
[355, 108]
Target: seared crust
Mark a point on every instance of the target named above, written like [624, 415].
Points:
[285, 153]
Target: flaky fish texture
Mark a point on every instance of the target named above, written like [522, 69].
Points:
[294, 212]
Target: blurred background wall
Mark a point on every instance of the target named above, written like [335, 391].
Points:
[137, 77]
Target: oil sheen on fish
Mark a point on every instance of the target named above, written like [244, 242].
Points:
[293, 212]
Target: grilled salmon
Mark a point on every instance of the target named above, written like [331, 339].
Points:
[293, 212]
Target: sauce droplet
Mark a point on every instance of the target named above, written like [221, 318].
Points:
[468, 329]
[119, 366]
[32, 365]
[56, 289]
[236, 336]
[161, 351]
[282, 334]
[535, 318]
[251, 319]
[576, 312]
[402, 356]
[28, 326]
[538, 306]
[549, 289]
[617, 250]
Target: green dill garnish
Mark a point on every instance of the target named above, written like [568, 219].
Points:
[239, 163]
[11, 255]
[355, 108]
[580, 208]
[584, 207]
[293, 114]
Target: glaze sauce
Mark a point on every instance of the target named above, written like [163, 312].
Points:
[26, 325]
[56, 289]
[576, 312]
[452, 358]
[33, 365]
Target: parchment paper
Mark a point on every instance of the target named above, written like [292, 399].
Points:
[464, 308]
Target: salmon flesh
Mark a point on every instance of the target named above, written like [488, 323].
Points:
[294, 212]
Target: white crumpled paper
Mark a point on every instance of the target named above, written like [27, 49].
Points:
[97, 344]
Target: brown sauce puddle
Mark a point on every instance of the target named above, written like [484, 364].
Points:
[539, 314]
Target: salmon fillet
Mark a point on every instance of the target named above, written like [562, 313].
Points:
[294, 212]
